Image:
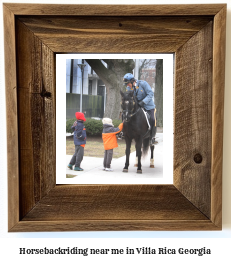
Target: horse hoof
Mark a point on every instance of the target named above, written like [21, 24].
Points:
[136, 165]
[152, 166]
[139, 171]
[125, 170]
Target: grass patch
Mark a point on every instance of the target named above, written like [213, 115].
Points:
[70, 176]
[95, 148]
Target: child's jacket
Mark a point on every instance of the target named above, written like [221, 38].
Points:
[109, 136]
[80, 135]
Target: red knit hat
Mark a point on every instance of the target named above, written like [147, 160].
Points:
[80, 116]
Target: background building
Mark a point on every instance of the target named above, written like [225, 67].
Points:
[149, 75]
[93, 90]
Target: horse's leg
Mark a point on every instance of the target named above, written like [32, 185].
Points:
[138, 154]
[136, 160]
[152, 156]
[127, 151]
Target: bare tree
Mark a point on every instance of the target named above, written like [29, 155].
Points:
[159, 92]
[112, 76]
[146, 63]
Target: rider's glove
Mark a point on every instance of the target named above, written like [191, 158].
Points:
[141, 103]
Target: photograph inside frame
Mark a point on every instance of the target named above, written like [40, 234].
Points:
[119, 119]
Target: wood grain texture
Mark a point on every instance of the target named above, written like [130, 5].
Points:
[36, 106]
[114, 10]
[108, 202]
[114, 225]
[115, 34]
[108, 207]
[218, 114]
[196, 34]
[11, 117]
[193, 112]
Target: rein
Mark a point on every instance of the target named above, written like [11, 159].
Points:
[131, 115]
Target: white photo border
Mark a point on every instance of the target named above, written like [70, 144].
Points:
[168, 110]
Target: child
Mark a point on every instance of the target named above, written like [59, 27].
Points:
[110, 141]
[80, 137]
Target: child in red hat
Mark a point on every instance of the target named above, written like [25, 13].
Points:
[80, 138]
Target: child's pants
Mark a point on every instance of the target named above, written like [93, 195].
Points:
[78, 156]
[107, 158]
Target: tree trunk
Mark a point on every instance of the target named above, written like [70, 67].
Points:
[159, 92]
[113, 102]
[112, 76]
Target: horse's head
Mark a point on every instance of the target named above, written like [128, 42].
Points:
[128, 104]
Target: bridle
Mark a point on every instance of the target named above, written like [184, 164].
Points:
[126, 115]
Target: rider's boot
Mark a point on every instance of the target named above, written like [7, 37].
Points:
[152, 136]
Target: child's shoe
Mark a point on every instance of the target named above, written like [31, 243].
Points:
[109, 169]
[70, 166]
[78, 169]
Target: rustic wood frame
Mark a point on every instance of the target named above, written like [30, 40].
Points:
[33, 34]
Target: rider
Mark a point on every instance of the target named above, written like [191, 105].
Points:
[145, 95]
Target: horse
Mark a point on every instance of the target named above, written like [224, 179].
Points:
[135, 127]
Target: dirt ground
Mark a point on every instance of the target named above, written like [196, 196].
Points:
[95, 148]
[98, 138]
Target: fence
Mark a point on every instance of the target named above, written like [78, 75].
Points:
[92, 104]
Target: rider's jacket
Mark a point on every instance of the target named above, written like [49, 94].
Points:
[144, 93]
[109, 136]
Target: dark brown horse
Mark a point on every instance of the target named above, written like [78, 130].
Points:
[135, 127]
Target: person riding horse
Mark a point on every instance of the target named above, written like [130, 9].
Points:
[145, 95]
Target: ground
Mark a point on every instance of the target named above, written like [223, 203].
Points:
[92, 166]
[94, 146]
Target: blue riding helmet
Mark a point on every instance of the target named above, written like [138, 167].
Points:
[128, 77]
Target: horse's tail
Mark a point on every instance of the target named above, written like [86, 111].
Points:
[145, 147]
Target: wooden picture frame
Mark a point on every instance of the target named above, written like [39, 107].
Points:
[33, 34]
